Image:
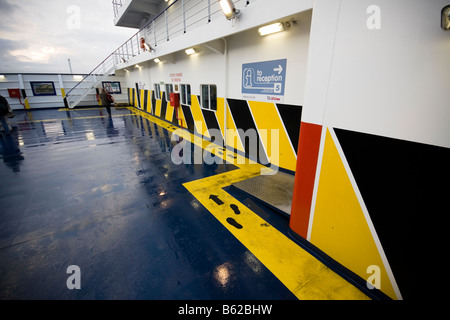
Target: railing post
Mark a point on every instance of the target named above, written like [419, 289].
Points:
[138, 44]
[209, 11]
[167, 25]
[154, 32]
[132, 51]
[184, 16]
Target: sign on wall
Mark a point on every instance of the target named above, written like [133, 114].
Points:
[264, 81]
[43, 88]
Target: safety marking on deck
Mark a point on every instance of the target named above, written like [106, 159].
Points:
[305, 276]
[84, 109]
[76, 118]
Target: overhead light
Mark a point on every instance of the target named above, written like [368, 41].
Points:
[157, 60]
[228, 9]
[445, 18]
[137, 66]
[190, 51]
[77, 77]
[2, 76]
[271, 28]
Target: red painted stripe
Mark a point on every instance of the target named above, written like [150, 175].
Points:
[308, 152]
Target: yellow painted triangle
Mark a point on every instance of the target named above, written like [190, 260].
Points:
[339, 227]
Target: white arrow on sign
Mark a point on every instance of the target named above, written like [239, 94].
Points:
[279, 69]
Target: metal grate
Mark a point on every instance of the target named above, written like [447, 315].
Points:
[275, 190]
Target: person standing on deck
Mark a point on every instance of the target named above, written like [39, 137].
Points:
[107, 99]
[5, 109]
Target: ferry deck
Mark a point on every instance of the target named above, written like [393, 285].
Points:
[101, 192]
[257, 150]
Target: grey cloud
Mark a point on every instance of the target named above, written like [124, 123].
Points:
[7, 7]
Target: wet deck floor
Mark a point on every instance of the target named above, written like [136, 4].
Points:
[102, 193]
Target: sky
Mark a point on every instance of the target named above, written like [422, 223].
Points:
[41, 35]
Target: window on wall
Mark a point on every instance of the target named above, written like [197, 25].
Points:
[157, 89]
[186, 94]
[169, 89]
[209, 96]
[46, 88]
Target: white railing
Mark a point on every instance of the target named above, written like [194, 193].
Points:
[178, 18]
[89, 82]
[117, 4]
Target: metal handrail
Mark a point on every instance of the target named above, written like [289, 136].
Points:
[162, 27]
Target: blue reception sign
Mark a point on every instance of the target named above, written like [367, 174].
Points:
[264, 80]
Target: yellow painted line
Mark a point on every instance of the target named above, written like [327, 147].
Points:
[305, 276]
[76, 118]
[83, 109]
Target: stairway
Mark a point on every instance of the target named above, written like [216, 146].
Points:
[90, 82]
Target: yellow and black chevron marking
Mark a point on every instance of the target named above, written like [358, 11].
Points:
[338, 202]
[278, 123]
[372, 202]
[305, 276]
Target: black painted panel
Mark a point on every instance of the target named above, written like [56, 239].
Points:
[291, 116]
[404, 186]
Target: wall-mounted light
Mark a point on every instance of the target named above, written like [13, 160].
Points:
[271, 28]
[228, 9]
[157, 60]
[445, 18]
[2, 76]
[77, 77]
[190, 51]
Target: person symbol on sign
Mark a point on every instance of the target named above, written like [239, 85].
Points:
[248, 78]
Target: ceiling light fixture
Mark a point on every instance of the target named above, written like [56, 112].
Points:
[190, 51]
[271, 28]
[228, 9]
[445, 18]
